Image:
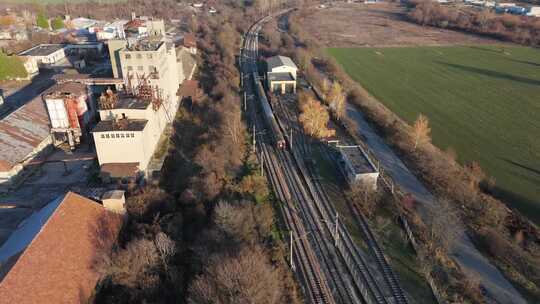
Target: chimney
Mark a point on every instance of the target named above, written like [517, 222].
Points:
[115, 201]
[133, 16]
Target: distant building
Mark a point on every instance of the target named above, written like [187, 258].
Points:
[358, 167]
[190, 43]
[46, 54]
[24, 134]
[50, 257]
[281, 75]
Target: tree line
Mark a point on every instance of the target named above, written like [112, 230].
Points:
[519, 29]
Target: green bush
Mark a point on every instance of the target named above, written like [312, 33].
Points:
[57, 23]
[42, 21]
[11, 67]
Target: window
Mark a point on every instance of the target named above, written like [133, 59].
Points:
[149, 56]
[152, 69]
[122, 135]
[140, 68]
[106, 135]
[102, 135]
[130, 68]
[132, 135]
[117, 135]
[139, 56]
[128, 56]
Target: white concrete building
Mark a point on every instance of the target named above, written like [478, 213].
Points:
[128, 133]
[46, 54]
[153, 60]
[358, 167]
[281, 75]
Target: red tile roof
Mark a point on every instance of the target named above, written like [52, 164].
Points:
[57, 266]
[118, 170]
[190, 41]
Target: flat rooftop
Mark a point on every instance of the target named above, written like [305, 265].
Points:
[144, 45]
[358, 160]
[42, 50]
[280, 77]
[131, 102]
[109, 125]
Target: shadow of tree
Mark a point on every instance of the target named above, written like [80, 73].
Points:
[492, 74]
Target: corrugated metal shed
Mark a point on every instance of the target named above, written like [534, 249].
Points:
[21, 132]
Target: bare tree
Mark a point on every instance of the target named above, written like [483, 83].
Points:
[445, 226]
[365, 197]
[242, 279]
[421, 130]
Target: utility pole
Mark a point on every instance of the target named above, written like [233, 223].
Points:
[253, 137]
[262, 165]
[245, 102]
[290, 138]
[293, 267]
[336, 235]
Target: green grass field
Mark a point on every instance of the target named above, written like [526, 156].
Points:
[484, 101]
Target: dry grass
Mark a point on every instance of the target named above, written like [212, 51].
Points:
[384, 24]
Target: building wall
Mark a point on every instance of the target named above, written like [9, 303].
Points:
[141, 147]
[284, 69]
[114, 47]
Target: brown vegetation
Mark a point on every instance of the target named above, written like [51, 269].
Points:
[518, 29]
[314, 118]
[209, 236]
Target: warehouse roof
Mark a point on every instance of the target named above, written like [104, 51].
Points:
[358, 160]
[277, 61]
[57, 265]
[21, 132]
[66, 88]
[42, 50]
[130, 125]
[280, 77]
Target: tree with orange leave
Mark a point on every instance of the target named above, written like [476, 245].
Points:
[314, 118]
[421, 130]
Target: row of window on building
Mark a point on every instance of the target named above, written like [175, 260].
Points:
[118, 135]
[151, 69]
[139, 56]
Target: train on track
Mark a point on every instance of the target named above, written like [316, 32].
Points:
[269, 118]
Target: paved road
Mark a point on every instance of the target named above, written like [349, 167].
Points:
[475, 265]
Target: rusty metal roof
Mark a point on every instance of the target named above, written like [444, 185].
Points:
[21, 132]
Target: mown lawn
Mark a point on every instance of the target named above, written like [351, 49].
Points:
[484, 101]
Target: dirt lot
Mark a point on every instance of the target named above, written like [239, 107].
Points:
[382, 24]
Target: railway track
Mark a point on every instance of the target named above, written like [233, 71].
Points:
[302, 252]
[332, 268]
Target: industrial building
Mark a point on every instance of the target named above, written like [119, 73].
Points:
[357, 166]
[151, 59]
[281, 74]
[45, 54]
[24, 135]
[70, 112]
[129, 131]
